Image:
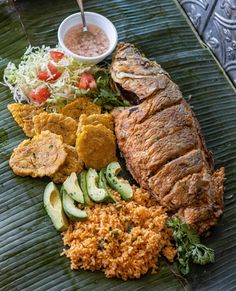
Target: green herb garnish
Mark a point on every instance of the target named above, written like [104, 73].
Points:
[100, 246]
[156, 138]
[129, 228]
[106, 95]
[188, 246]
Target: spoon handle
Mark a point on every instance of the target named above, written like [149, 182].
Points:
[80, 2]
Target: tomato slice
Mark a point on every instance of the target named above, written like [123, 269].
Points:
[43, 76]
[87, 81]
[54, 71]
[39, 95]
[56, 56]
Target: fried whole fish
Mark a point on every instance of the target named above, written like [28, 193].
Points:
[162, 144]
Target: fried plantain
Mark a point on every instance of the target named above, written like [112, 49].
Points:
[71, 164]
[23, 115]
[96, 146]
[40, 156]
[58, 124]
[80, 106]
[94, 119]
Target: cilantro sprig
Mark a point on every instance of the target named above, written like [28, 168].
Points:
[106, 95]
[188, 246]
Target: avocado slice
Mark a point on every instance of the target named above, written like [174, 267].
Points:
[71, 185]
[73, 212]
[121, 186]
[96, 194]
[83, 187]
[102, 183]
[53, 206]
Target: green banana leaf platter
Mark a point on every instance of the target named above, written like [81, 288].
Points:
[30, 247]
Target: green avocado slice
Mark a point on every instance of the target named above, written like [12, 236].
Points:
[83, 187]
[121, 186]
[73, 212]
[102, 183]
[71, 185]
[95, 193]
[53, 206]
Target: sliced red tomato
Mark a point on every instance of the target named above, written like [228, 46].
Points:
[87, 81]
[54, 71]
[56, 56]
[45, 76]
[39, 95]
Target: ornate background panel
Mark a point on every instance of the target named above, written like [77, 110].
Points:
[198, 11]
[215, 21]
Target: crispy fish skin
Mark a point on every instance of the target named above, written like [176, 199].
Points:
[40, 156]
[105, 119]
[58, 124]
[162, 144]
[82, 105]
[96, 146]
[72, 164]
[132, 69]
[23, 115]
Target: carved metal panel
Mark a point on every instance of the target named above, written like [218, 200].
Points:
[215, 21]
[220, 35]
[198, 11]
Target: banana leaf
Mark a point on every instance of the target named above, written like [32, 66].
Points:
[30, 246]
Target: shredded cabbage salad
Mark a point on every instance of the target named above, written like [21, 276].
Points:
[56, 80]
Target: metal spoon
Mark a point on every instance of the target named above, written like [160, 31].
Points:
[85, 27]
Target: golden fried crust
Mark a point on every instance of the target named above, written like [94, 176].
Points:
[40, 156]
[71, 164]
[23, 115]
[94, 119]
[58, 124]
[80, 106]
[96, 146]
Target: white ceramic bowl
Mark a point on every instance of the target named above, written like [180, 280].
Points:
[91, 18]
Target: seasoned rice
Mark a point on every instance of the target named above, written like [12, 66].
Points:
[123, 240]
